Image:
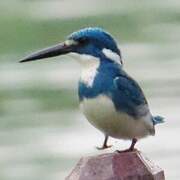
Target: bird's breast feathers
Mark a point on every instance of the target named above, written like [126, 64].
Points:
[108, 106]
[101, 113]
[89, 72]
[89, 65]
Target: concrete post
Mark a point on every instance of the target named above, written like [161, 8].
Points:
[116, 166]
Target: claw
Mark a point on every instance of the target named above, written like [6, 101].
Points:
[134, 141]
[126, 150]
[104, 147]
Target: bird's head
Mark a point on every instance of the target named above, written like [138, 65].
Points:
[88, 41]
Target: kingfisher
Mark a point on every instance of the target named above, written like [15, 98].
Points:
[111, 100]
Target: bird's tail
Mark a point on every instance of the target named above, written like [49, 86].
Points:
[158, 120]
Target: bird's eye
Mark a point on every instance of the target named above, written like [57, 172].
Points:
[82, 41]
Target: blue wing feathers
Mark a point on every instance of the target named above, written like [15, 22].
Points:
[129, 96]
[130, 88]
[123, 90]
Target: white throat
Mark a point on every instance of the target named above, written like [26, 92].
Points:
[89, 65]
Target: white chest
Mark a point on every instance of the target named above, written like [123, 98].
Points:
[102, 114]
[89, 65]
[88, 74]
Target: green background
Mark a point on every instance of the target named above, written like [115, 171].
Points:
[42, 131]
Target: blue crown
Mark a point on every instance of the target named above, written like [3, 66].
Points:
[98, 35]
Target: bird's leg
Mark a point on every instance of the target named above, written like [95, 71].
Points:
[134, 141]
[131, 148]
[104, 146]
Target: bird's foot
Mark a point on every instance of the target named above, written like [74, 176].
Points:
[104, 147]
[134, 141]
[126, 150]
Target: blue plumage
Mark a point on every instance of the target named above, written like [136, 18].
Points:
[96, 35]
[158, 120]
[111, 100]
[103, 82]
[96, 39]
[112, 81]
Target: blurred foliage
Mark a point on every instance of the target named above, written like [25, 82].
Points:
[20, 33]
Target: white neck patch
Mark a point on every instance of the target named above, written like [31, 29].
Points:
[89, 65]
[112, 55]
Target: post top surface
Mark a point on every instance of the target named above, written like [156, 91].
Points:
[112, 166]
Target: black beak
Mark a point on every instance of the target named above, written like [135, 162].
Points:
[56, 50]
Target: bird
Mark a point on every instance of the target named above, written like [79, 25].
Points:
[111, 100]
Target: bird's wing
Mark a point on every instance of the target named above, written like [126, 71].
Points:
[131, 96]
